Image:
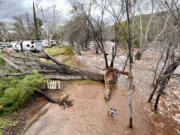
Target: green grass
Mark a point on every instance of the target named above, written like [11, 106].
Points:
[2, 62]
[7, 122]
[89, 81]
[66, 52]
[4, 122]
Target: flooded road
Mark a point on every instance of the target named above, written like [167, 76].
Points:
[89, 114]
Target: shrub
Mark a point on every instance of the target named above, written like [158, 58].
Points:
[15, 91]
[2, 62]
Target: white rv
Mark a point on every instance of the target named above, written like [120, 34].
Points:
[32, 46]
[52, 43]
[28, 45]
[17, 46]
[45, 43]
[38, 46]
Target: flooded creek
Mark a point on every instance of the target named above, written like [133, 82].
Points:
[89, 114]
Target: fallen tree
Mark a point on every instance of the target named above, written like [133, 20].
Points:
[65, 101]
[56, 70]
[12, 64]
[61, 71]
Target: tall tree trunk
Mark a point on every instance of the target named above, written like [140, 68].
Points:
[165, 79]
[129, 41]
[35, 22]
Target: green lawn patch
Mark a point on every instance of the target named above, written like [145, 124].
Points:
[4, 122]
[66, 52]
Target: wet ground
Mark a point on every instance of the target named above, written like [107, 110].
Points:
[89, 115]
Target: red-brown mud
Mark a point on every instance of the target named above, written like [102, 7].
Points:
[89, 115]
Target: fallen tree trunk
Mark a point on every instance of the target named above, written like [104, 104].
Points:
[63, 72]
[15, 74]
[12, 64]
[32, 63]
[23, 57]
[65, 77]
[50, 75]
[67, 70]
[26, 73]
[65, 101]
[62, 68]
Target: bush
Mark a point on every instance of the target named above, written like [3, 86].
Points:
[2, 62]
[15, 91]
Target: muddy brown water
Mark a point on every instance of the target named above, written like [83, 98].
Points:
[89, 114]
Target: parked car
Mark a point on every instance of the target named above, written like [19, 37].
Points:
[7, 44]
[1, 45]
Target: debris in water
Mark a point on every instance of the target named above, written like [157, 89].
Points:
[112, 111]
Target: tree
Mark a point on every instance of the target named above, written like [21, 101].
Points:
[3, 31]
[96, 24]
[128, 8]
[35, 22]
[77, 32]
[50, 17]
[24, 27]
[152, 21]
[172, 59]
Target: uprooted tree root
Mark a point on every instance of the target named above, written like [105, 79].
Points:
[111, 77]
[66, 102]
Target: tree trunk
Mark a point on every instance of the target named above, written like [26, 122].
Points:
[165, 79]
[12, 64]
[110, 79]
[59, 70]
[66, 70]
[64, 101]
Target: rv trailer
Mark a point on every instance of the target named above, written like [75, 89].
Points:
[17, 46]
[51, 43]
[38, 46]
